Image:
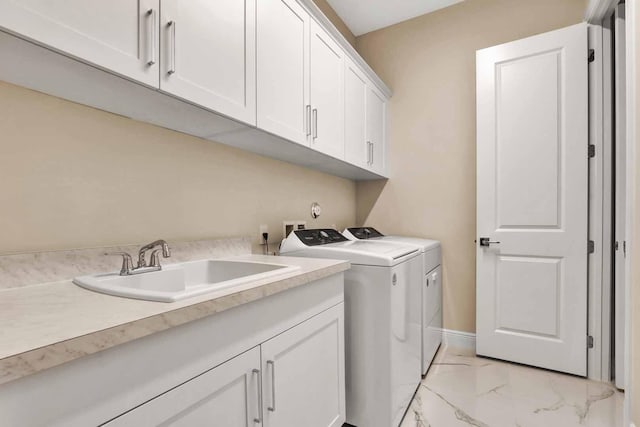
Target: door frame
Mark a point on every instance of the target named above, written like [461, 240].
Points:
[597, 11]
[599, 362]
[599, 265]
[631, 212]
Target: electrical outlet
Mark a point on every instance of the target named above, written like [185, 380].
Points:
[263, 229]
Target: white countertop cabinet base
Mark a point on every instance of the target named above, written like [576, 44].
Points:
[204, 369]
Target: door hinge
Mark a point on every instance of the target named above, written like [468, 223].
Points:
[592, 55]
[591, 246]
[592, 150]
[589, 341]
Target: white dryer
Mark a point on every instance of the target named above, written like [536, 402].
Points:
[382, 321]
[431, 285]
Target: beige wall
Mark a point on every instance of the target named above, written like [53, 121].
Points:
[326, 8]
[74, 177]
[429, 62]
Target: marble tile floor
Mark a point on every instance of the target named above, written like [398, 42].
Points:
[462, 390]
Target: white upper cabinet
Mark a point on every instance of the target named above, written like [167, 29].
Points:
[327, 93]
[118, 35]
[376, 130]
[209, 54]
[283, 69]
[365, 121]
[254, 74]
[355, 116]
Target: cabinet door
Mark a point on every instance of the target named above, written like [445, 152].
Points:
[118, 35]
[303, 374]
[376, 129]
[327, 93]
[208, 54]
[283, 69]
[355, 113]
[227, 395]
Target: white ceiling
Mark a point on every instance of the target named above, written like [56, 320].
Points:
[363, 16]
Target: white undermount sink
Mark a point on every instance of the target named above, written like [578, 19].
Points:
[185, 280]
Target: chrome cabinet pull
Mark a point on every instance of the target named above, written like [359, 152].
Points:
[272, 408]
[367, 152]
[308, 120]
[153, 25]
[172, 28]
[258, 418]
[315, 123]
[372, 151]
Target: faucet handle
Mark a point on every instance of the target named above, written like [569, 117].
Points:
[127, 262]
[155, 258]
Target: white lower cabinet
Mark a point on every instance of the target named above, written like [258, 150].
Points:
[303, 374]
[227, 395]
[298, 381]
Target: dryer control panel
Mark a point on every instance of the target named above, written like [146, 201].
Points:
[365, 232]
[320, 236]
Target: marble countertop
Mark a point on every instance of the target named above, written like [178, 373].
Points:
[46, 325]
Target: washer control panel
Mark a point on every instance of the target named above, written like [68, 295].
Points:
[320, 236]
[365, 232]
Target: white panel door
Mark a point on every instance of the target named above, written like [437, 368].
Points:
[327, 93]
[283, 69]
[227, 395]
[303, 373]
[376, 129]
[355, 115]
[532, 158]
[118, 35]
[208, 54]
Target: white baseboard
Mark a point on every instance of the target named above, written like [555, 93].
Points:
[459, 339]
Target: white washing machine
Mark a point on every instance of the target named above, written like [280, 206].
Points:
[431, 285]
[382, 321]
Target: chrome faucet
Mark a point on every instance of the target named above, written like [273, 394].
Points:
[128, 269]
[155, 261]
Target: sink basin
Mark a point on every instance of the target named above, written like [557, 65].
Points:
[185, 280]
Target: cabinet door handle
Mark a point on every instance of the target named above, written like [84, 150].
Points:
[172, 28]
[152, 17]
[372, 151]
[307, 120]
[258, 418]
[271, 363]
[315, 123]
[368, 152]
